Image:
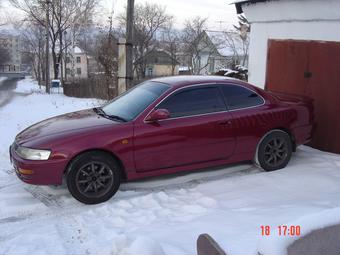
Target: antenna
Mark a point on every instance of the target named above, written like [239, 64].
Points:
[221, 22]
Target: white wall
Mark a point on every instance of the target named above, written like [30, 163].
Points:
[288, 19]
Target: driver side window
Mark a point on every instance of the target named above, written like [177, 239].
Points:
[194, 101]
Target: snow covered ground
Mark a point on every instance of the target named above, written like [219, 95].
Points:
[28, 86]
[161, 216]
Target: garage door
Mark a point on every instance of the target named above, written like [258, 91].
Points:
[310, 68]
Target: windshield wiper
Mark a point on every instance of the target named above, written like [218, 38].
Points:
[116, 117]
[101, 112]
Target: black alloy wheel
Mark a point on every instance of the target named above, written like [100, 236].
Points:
[93, 177]
[275, 150]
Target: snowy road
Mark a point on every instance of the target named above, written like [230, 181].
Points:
[7, 93]
[160, 216]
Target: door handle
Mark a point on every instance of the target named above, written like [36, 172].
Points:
[308, 74]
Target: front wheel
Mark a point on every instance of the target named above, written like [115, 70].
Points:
[93, 177]
[274, 151]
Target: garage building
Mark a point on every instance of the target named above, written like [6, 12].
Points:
[295, 48]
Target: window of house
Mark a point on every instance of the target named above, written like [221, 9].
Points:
[149, 71]
[68, 60]
[194, 102]
[211, 65]
[68, 71]
[78, 60]
[78, 71]
[238, 97]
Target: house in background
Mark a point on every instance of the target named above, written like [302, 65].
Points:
[76, 64]
[231, 48]
[94, 68]
[10, 41]
[160, 63]
[216, 50]
[295, 48]
[210, 58]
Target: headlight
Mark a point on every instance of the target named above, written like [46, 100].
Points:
[33, 154]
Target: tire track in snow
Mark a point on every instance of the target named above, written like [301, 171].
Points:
[47, 199]
[62, 204]
[59, 207]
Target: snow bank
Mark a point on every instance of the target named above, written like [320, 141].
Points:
[2, 79]
[28, 85]
[277, 245]
[140, 245]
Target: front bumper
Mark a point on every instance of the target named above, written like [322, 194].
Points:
[44, 172]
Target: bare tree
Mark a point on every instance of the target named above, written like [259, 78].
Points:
[64, 15]
[171, 43]
[33, 36]
[243, 30]
[106, 53]
[149, 19]
[2, 21]
[197, 44]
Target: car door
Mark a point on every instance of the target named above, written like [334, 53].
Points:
[198, 130]
[250, 114]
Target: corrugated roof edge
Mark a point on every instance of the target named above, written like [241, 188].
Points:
[239, 3]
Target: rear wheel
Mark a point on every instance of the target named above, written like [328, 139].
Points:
[275, 150]
[93, 177]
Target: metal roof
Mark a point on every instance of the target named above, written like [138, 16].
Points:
[239, 3]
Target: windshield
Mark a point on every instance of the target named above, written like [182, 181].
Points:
[130, 104]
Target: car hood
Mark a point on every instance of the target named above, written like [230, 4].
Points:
[64, 123]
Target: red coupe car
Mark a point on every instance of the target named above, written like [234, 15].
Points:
[162, 126]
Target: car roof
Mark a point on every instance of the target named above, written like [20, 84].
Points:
[184, 80]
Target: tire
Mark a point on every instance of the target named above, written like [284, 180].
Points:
[274, 150]
[93, 177]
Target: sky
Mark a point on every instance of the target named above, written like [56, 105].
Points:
[220, 13]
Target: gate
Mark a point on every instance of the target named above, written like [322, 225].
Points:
[310, 68]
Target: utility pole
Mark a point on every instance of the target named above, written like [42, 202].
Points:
[66, 54]
[61, 53]
[129, 43]
[47, 59]
[108, 77]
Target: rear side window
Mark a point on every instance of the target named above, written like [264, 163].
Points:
[238, 97]
[194, 102]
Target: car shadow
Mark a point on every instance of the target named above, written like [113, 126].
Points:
[190, 178]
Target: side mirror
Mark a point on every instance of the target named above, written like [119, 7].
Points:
[159, 114]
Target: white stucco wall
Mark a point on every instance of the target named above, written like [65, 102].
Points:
[288, 19]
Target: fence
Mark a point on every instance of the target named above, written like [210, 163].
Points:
[94, 87]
